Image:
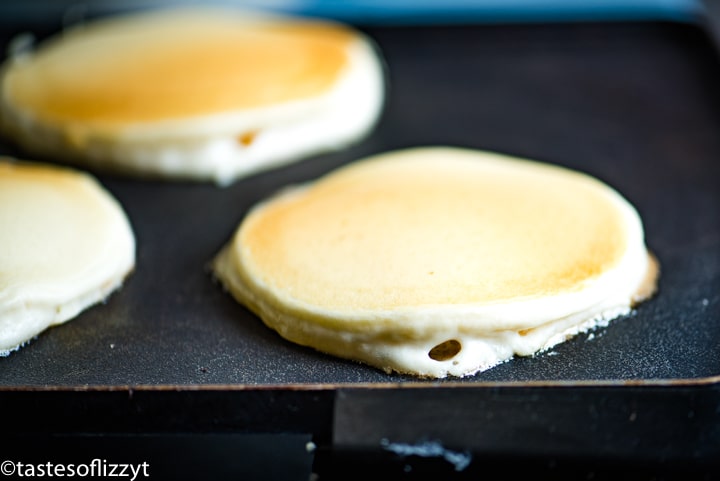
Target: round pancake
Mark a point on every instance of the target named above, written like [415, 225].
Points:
[193, 93]
[439, 261]
[65, 244]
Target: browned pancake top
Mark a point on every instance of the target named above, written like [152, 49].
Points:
[167, 66]
[432, 227]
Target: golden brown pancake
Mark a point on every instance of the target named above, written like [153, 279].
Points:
[439, 261]
[204, 93]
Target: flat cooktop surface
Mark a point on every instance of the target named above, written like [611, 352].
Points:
[635, 104]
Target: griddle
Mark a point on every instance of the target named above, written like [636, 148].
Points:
[635, 104]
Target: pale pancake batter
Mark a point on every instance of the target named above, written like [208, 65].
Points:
[65, 244]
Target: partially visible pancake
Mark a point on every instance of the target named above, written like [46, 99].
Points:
[439, 261]
[65, 244]
[203, 93]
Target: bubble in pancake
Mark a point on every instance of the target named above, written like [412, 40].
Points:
[193, 93]
[65, 244]
[439, 261]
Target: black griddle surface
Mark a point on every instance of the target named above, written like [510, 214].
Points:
[635, 104]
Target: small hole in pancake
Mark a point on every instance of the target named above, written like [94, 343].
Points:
[445, 350]
[247, 138]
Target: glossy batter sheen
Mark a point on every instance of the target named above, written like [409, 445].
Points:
[439, 261]
[173, 66]
[65, 244]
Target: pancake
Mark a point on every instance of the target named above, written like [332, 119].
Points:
[193, 93]
[65, 244]
[439, 261]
